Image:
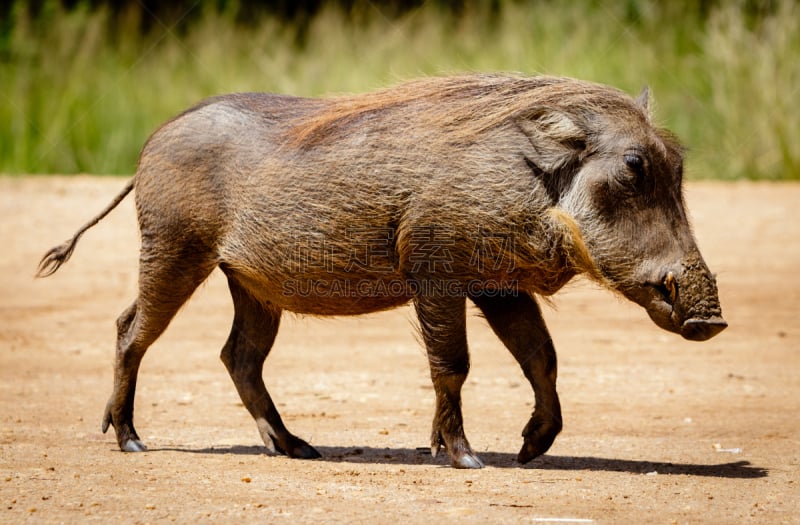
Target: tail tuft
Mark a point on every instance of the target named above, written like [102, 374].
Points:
[55, 257]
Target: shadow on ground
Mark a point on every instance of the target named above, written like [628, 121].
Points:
[421, 456]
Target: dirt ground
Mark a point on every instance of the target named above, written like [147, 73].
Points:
[657, 429]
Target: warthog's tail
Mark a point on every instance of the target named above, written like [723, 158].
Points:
[60, 254]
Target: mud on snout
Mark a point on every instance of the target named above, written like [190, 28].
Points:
[684, 299]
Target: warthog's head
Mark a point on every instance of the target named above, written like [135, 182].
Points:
[620, 178]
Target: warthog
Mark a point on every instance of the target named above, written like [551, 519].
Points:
[491, 188]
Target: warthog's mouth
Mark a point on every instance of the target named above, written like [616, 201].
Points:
[702, 329]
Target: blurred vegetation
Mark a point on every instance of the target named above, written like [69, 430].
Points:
[83, 83]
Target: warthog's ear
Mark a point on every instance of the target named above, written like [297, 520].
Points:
[557, 140]
[643, 101]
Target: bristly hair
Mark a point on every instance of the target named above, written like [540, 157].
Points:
[463, 105]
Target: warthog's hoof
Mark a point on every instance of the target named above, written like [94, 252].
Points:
[133, 445]
[127, 438]
[461, 457]
[467, 461]
[304, 451]
[528, 452]
[296, 448]
[539, 436]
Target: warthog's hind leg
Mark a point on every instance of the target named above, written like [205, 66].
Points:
[518, 323]
[121, 401]
[165, 283]
[254, 329]
[443, 326]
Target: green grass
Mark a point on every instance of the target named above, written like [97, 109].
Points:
[79, 97]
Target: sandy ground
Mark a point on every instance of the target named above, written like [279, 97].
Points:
[657, 429]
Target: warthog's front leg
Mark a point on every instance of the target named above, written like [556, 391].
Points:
[518, 323]
[443, 326]
[255, 326]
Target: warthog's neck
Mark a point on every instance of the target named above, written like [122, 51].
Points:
[552, 255]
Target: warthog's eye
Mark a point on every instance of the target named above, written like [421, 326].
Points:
[635, 175]
[635, 162]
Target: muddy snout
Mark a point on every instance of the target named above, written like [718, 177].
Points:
[693, 297]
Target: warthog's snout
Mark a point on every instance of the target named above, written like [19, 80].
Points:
[684, 300]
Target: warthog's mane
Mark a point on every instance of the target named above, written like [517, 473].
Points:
[465, 106]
